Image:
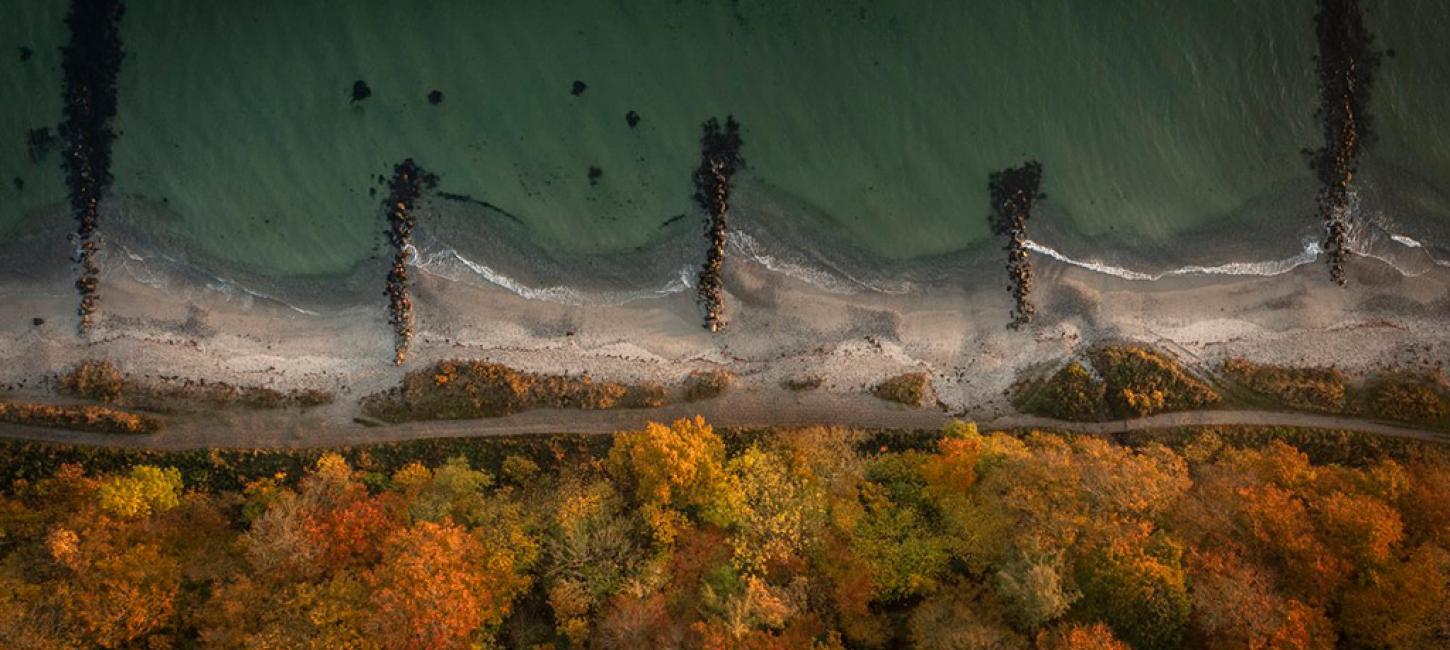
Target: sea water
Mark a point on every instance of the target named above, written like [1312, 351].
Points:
[1171, 133]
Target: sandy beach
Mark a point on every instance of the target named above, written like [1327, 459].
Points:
[780, 328]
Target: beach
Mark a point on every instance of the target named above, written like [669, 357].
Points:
[781, 328]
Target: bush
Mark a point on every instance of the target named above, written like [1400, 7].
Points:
[93, 379]
[79, 417]
[1072, 393]
[911, 389]
[707, 384]
[1315, 389]
[1140, 381]
[459, 390]
[797, 384]
[1408, 397]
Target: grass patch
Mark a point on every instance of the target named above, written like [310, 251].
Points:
[77, 417]
[102, 381]
[707, 384]
[911, 389]
[461, 390]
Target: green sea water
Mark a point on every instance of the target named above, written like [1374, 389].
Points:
[1152, 118]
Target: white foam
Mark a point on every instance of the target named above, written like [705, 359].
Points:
[1263, 268]
[750, 247]
[437, 264]
[1406, 241]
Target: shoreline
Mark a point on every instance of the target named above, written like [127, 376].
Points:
[783, 328]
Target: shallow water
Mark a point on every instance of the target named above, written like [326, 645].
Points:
[869, 128]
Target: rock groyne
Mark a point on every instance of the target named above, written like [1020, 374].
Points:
[719, 158]
[408, 182]
[89, 63]
[1345, 66]
[1014, 190]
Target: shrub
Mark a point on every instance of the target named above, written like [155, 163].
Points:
[808, 382]
[707, 384]
[1408, 398]
[1072, 393]
[911, 389]
[1316, 389]
[1141, 381]
[518, 470]
[99, 380]
[79, 417]
[456, 390]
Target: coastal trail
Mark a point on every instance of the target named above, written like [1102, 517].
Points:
[744, 409]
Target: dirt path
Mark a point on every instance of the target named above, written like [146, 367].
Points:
[741, 409]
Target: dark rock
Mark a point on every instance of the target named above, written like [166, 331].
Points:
[579, 88]
[25, 54]
[435, 98]
[19, 183]
[1014, 191]
[632, 119]
[594, 174]
[719, 158]
[37, 321]
[361, 91]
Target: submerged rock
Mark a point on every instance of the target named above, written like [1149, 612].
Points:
[436, 97]
[594, 174]
[579, 88]
[38, 143]
[360, 91]
[25, 54]
[632, 119]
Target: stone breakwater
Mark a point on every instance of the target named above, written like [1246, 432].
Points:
[1345, 67]
[1014, 190]
[406, 186]
[89, 63]
[719, 158]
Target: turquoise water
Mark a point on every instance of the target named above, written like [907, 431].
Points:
[1153, 118]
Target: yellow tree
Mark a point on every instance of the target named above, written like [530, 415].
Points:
[673, 471]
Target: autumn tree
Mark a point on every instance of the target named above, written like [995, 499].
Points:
[1236, 605]
[1140, 590]
[437, 586]
[1079, 636]
[1407, 605]
[672, 472]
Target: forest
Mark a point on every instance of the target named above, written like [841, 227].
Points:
[679, 536]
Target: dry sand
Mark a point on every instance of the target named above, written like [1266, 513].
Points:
[779, 328]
